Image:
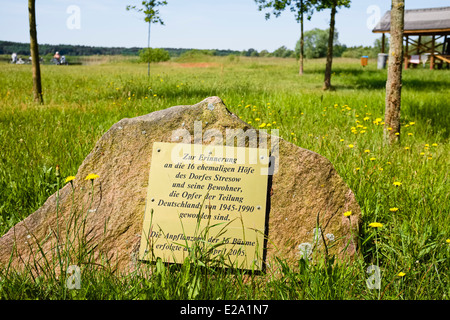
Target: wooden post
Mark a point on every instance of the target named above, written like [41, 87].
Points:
[419, 43]
[432, 52]
[406, 52]
[382, 42]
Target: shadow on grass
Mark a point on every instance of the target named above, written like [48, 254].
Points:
[435, 113]
[344, 78]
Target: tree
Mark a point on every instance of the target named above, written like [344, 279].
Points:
[153, 55]
[300, 7]
[333, 5]
[394, 78]
[34, 50]
[315, 43]
[151, 16]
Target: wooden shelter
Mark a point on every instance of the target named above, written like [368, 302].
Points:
[426, 33]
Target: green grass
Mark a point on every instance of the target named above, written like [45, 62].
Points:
[82, 102]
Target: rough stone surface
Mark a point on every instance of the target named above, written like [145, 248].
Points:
[306, 190]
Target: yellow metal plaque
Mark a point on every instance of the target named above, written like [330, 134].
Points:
[207, 199]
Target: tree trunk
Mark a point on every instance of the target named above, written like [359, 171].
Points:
[302, 40]
[34, 49]
[327, 82]
[394, 78]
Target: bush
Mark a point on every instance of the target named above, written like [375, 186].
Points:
[153, 55]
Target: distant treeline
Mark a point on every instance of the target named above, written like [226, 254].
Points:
[8, 47]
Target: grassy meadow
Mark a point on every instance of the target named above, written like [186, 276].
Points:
[404, 187]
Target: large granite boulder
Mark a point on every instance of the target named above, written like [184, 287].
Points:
[308, 198]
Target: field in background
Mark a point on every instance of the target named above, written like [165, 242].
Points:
[345, 125]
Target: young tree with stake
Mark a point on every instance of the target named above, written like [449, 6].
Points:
[300, 7]
[333, 5]
[149, 8]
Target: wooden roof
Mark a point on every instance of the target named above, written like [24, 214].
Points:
[419, 21]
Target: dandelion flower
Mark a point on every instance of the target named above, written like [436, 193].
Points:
[434, 145]
[69, 178]
[401, 274]
[397, 183]
[257, 119]
[410, 134]
[406, 148]
[92, 176]
[397, 133]
[262, 125]
[350, 146]
[347, 213]
[412, 123]
[367, 151]
[375, 225]
[372, 159]
[448, 241]
[393, 209]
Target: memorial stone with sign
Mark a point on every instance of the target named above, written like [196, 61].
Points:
[195, 175]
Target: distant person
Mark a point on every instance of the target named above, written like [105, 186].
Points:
[63, 59]
[14, 58]
[57, 57]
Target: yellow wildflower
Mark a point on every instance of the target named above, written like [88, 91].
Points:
[347, 213]
[372, 159]
[262, 125]
[367, 151]
[393, 209]
[350, 146]
[448, 241]
[401, 274]
[397, 183]
[434, 145]
[92, 176]
[375, 225]
[69, 178]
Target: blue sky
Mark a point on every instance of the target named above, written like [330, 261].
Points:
[202, 24]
